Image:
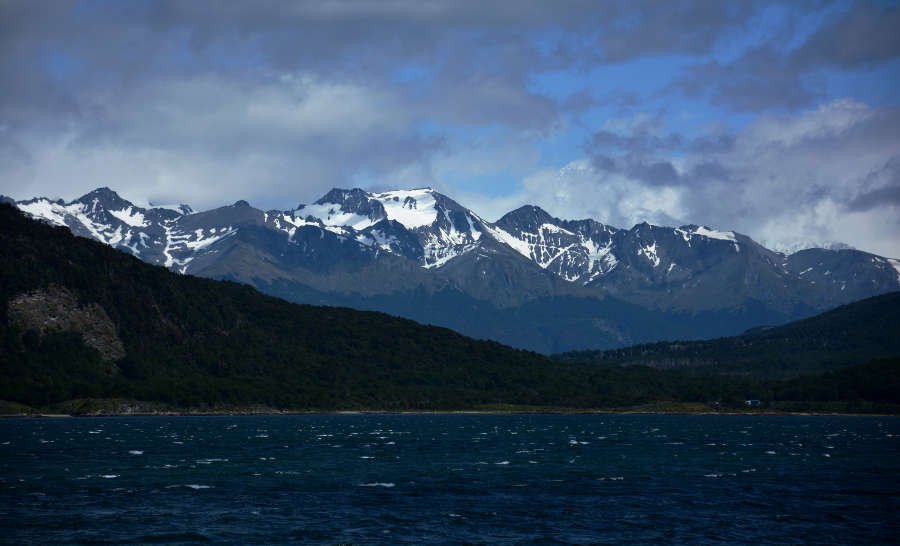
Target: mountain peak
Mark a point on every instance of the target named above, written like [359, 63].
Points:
[355, 208]
[104, 192]
[341, 196]
[109, 199]
[526, 218]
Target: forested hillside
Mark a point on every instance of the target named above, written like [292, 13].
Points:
[846, 335]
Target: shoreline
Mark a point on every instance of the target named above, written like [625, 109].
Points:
[535, 411]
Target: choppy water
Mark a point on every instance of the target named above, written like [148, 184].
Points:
[490, 479]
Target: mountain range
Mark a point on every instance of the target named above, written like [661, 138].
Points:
[529, 280]
[87, 329]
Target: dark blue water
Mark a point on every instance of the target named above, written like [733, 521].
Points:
[487, 479]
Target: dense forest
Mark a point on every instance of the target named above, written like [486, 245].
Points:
[82, 323]
[847, 335]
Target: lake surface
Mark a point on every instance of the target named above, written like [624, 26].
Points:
[420, 479]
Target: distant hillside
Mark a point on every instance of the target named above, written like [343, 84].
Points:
[846, 335]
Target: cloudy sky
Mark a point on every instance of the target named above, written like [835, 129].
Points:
[778, 120]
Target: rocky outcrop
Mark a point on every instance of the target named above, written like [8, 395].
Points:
[55, 309]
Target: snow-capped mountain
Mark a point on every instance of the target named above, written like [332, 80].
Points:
[419, 224]
[528, 279]
[157, 235]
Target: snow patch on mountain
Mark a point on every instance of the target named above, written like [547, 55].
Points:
[131, 216]
[688, 232]
[50, 211]
[294, 221]
[601, 259]
[377, 238]
[199, 240]
[568, 250]
[710, 233]
[170, 260]
[180, 209]
[792, 248]
[411, 208]
[134, 247]
[455, 236]
[538, 248]
[56, 213]
[553, 228]
[649, 252]
[436, 257]
[332, 215]
[188, 244]
[509, 240]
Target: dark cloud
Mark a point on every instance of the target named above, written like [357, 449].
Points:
[60, 57]
[640, 141]
[881, 188]
[761, 78]
[580, 101]
[717, 143]
[865, 35]
[660, 172]
[888, 196]
[771, 76]
[710, 170]
[476, 50]
[642, 28]
[640, 152]
[654, 173]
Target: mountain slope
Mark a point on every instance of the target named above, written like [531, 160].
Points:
[529, 279]
[846, 335]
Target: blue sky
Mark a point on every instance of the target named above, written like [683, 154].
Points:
[777, 119]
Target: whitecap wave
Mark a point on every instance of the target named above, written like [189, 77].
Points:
[211, 461]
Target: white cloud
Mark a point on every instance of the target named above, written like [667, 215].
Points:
[578, 190]
[787, 182]
[210, 141]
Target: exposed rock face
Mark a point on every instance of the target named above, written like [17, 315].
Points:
[55, 309]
